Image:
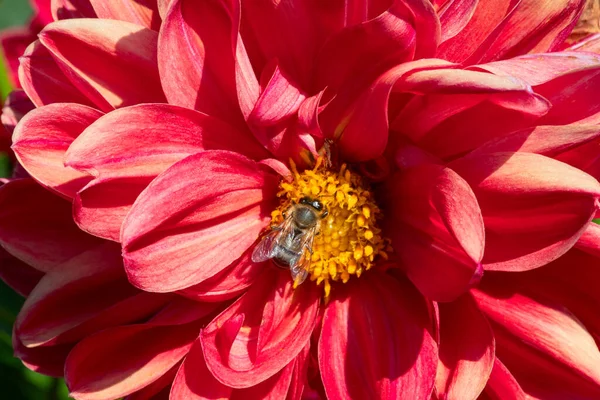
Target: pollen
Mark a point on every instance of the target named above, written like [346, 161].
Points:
[348, 241]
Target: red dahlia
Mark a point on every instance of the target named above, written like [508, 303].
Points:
[309, 199]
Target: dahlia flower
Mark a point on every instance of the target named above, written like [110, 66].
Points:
[436, 163]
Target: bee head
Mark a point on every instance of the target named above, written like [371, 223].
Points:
[316, 204]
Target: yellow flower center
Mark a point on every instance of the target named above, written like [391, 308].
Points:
[348, 241]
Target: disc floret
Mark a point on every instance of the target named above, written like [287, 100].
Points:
[349, 240]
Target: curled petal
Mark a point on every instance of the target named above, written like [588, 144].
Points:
[435, 224]
[112, 62]
[195, 381]
[195, 219]
[380, 325]
[534, 208]
[42, 138]
[262, 332]
[44, 81]
[347, 117]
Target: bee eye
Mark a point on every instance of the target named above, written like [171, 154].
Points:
[305, 201]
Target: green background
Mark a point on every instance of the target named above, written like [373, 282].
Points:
[16, 381]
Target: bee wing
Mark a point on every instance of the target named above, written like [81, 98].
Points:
[263, 251]
[299, 270]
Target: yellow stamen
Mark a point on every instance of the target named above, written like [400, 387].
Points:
[349, 240]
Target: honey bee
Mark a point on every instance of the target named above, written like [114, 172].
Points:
[289, 244]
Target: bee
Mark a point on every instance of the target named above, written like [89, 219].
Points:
[289, 244]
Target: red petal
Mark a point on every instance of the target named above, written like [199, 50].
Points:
[502, 385]
[143, 353]
[347, 117]
[547, 140]
[112, 62]
[13, 43]
[43, 80]
[42, 138]
[454, 16]
[466, 350]
[228, 283]
[436, 227]
[461, 109]
[36, 226]
[262, 332]
[534, 208]
[50, 311]
[140, 12]
[502, 28]
[127, 148]
[44, 360]
[66, 9]
[540, 337]
[157, 390]
[195, 219]
[376, 46]
[375, 343]
[19, 276]
[16, 105]
[190, 31]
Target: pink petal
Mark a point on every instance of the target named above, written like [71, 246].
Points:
[143, 354]
[42, 138]
[189, 33]
[466, 350]
[437, 230]
[43, 80]
[36, 226]
[195, 219]
[19, 276]
[140, 12]
[262, 332]
[112, 62]
[127, 148]
[375, 343]
[534, 208]
[228, 283]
